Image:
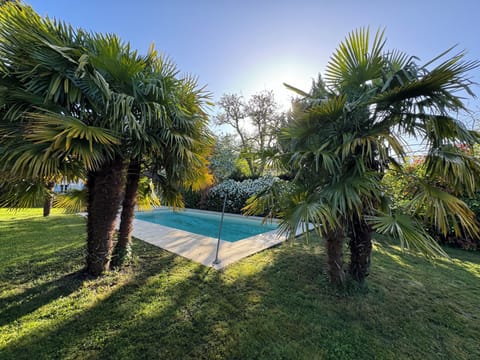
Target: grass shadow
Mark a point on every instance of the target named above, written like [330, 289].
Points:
[277, 304]
[15, 306]
[97, 325]
[37, 247]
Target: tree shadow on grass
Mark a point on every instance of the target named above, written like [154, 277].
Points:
[268, 307]
[40, 262]
[277, 304]
[461, 264]
[184, 310]
[15, 306]
[89, 331]
[47, 266]
[40, 247]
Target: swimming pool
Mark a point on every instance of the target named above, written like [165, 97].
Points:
[207, 223]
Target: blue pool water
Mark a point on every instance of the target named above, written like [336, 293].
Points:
[234, 228]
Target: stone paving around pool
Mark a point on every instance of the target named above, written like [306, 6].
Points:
[201, 249]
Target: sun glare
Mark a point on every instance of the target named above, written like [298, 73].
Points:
[273, 74]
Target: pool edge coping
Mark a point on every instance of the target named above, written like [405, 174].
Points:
[201, 249]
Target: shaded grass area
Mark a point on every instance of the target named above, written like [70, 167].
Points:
[274, 305]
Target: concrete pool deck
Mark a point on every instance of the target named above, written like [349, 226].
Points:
[201, 249]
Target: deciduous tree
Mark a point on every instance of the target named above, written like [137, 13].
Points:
[256, 122]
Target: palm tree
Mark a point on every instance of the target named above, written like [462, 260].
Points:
[23, 193]
[59, 104]
[173, 156]
[164, 115]
[350, 128]
[80, 98]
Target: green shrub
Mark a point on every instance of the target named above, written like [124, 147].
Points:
[403, 190]
[192, 198]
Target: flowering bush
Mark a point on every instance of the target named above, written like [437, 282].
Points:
[237, 193]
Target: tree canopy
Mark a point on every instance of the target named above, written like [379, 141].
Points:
[349, 128]
[74, 100]
[256, 123]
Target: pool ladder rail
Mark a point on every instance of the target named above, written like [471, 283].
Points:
[217, 260]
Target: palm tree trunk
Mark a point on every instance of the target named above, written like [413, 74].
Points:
[251, 167]
[104, 193]
[122, 251]
[360, 250]
[335, 239]
[361, 232]
[48, 202]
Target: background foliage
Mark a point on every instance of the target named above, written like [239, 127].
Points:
[237, 192]
[403, 188]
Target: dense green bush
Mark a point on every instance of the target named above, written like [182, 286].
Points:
[474, 204]
[465, 242]
[403, 189]
[192, 199]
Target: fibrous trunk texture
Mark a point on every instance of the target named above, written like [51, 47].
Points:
[122, 250]
[335, 239]
[105, 187]
[360, 250]
[48, 202]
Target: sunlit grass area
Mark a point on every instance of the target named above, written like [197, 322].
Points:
[274, 305]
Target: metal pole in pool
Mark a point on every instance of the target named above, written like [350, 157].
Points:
[217, 261]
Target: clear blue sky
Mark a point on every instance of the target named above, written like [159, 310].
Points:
[246, 46]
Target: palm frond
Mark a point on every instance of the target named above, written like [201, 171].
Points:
[22, 194]
[61, 130]
[352, 192]
[73, 201]
[438, 85]
[444, 210]
[408, 231]
[296, 90]
[454, 167]
[356, 60]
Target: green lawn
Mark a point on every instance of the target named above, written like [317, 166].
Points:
[274, 305]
